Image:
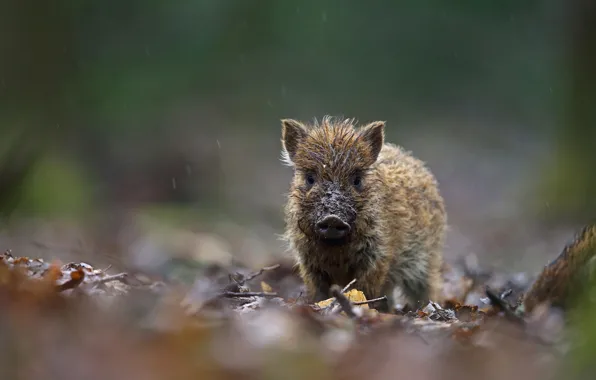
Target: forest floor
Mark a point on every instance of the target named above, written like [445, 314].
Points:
[73, 321]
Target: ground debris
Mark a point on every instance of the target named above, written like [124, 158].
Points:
[228, 325]
[80, 276]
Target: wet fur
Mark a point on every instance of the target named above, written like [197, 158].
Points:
[563, 280]
[398, 216]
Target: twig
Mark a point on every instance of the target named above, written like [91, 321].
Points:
[506, 293]
[233, 289]
[107, 269]
[228, 294]
[247, 294]
[384, 298]
[238, 281]
[343, 301]
[260, 272]
[345, 289]
[114, 277]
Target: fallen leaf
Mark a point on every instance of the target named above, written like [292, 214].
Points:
[353, 295]
[265, 287]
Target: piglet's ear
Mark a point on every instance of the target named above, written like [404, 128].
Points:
[292, 132]
[373, 135]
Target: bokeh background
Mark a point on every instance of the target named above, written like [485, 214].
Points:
[122, 120]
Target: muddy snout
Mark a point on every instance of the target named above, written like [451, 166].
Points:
[332, 227]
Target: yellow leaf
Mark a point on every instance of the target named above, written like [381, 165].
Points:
[353, 295]
[265, 287]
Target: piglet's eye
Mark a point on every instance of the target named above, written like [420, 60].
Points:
[310, 179]
[357, 181]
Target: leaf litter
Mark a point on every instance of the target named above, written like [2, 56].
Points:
[71, 321]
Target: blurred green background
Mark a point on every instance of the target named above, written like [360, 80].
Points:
[173, 108]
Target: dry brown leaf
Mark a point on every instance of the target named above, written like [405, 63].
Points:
[76, 277]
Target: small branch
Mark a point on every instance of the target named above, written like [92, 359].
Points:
[260, 272]
[343, 301]
[345, 289]
[105, 270]
[384, 298]
[227, 294]
[233, 289]
[506, 293]
[247, 294]
[116, 277]
[238, 281]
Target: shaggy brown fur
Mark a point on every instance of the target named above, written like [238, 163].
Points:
[389, 200]
[564, 279]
